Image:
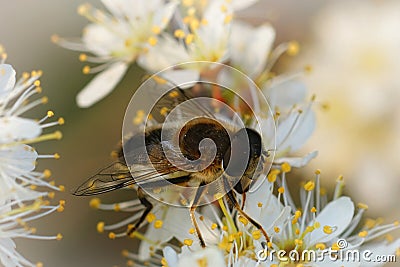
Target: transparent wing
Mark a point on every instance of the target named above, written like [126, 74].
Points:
[173, 96]
[118, 175]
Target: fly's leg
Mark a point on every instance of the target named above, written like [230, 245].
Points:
[149, 207]
[195, 203]
[235, 203]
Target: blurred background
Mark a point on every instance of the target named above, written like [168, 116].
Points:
[352, 46]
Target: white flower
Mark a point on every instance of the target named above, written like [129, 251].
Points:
[14, 224]
[251, 52]
[23, 190]
[206, 257]
[250, 47]
[17, 158]
[202, 35]
[116, 40]
[316, 225]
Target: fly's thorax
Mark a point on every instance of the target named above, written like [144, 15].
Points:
[195, 131]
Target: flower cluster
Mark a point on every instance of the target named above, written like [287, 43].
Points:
[157, 34]
[25, 193]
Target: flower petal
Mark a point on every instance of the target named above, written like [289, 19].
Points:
[212, 37]
[170, 256]
[7, 79]
[270, 209]
[286, 94]
[242, 4]
[294, 131]
[163, 15]
[101, 85]
[378, 249]
[17, 160]
[102, 41]
[338, 215]
[212, 256]
[298, 162]
[327, 262]
[16, 128]
[250, 47]
[182, 78]
[166, 53]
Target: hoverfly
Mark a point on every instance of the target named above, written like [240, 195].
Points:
[143, 161]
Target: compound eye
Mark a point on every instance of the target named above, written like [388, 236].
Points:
[236, 158]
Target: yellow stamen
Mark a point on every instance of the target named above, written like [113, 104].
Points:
[308, 69]
[256, 234]
[82, 57]
[100, 227]
[297, 214]
[125, 253]
[50, 113]
[363, 234]
[188, 242]
[179, 33]
[327, 229]
[189, 39]
[286, 167]
[362, 206]
[313, 210]
[298, 242]
[194, 24]
[335, 247]
[158, 224]
[293, 48]
[228, 18]
[47, 174]
[95, 203]
[156, 29]
[243, 220]
[389, 238]
[164, 111]
[60, 208]
[117, 207]
[320, 246]
[164, 262]
[152, 41]
[187, 3]
[309, 186]
[59, 237]
[86, 69]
